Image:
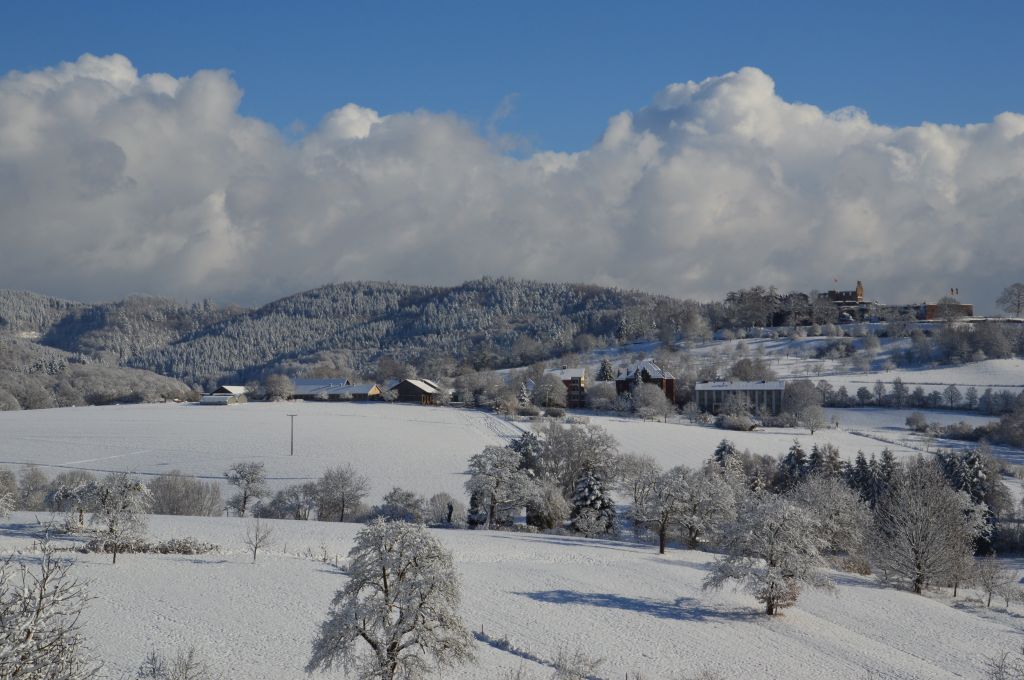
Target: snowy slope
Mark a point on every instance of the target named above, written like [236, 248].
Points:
[639, 611]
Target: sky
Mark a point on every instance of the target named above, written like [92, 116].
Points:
[243, 152]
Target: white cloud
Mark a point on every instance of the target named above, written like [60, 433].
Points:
[113, 183]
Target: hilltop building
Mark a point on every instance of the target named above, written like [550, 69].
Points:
[764, 396]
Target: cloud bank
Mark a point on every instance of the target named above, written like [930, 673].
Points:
[112, 183]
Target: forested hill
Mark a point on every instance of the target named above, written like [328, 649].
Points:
[344, 327]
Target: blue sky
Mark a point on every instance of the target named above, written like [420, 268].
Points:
[565, 67]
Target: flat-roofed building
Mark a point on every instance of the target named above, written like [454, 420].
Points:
[764, 395]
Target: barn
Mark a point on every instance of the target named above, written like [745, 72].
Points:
[419, 390]
[316, 388]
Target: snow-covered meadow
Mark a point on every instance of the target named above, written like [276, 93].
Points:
[640, 612]
[424, 449]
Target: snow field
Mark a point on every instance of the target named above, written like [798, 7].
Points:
[639, 611]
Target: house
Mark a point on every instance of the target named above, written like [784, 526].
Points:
[316, 388]
[649, 372]
[421, 390]
[764, 395]
[944, 310]
[575, 381]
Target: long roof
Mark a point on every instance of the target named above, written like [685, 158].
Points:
[427, 386]
[725, 385]
[314, 385]
[232, 389]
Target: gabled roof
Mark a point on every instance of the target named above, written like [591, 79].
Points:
[648, 367]
[364, 389]
[725, 385]
[391, 383]
[231, 389]
[425, 386]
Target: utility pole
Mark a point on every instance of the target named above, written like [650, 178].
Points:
[291, 448]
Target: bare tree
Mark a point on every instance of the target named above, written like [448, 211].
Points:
[994, 579]
[258, 535]
[1011, 299]
[251, 480]
[923, 528]
[119, 505]
[40, 637]
[397, 615]
[185, 665]
[772, 549]
[649, 401]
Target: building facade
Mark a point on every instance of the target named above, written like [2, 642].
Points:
[764, 396]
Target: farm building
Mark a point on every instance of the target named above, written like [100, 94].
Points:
[575, 381]
[764, 396]
[419, 390]
[225, 395]
[648, 372]
[364, 392]
[316, 388]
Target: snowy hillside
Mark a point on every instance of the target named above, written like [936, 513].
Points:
[639, 611]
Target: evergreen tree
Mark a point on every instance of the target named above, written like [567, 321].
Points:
[593, 510]
[528, 445]
[793, 467]
[724, 451]
[524, 395]
[606, 372]
[824, 460]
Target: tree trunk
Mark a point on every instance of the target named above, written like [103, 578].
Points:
[115, 553]
[662, 531]
[692, 540]
[989, 603]
[769, 608]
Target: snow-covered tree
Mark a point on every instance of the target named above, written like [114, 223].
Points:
[772, 549]
[649, 401]
[707, 502]
[251, 480]
[397, 616]
[500, 483]
[793, 467]
[119, 505]
[402, 505]
[841, 516]
[824, 460]
[812, 417]
[6, 503]
[635, 477]
[606, 371]
[338, 491]
[568, 452]
[40, 637]
[1011, 300]
[550, 391]
[524, 398]
[593, 510]
[923, 528]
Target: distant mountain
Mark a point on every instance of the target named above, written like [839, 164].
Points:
[487, 323]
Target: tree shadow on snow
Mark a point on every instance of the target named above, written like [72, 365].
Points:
[682, 609]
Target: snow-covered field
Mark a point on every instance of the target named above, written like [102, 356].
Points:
[414, 447]
[640, 612]
[420, 448]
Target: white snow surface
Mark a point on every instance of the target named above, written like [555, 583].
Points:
[640, 612]
[421, 448]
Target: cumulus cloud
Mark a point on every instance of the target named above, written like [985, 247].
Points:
[112, 182]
